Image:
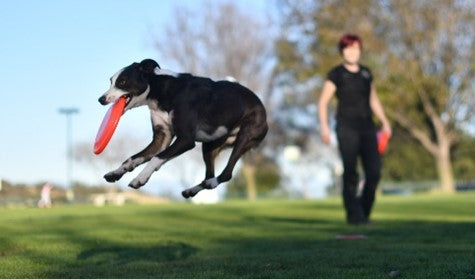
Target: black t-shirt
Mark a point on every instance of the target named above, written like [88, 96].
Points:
[353, 92]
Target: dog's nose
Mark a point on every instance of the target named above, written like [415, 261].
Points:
[103, 100]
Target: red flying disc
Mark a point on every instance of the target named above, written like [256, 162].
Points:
[108, 125]
[383, 139]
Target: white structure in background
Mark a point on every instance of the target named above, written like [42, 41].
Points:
[100, 200]
[307, 174]
[302, 176]
[120, 198]
[308, 168]
[206, 197]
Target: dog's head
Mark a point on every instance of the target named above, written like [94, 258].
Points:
[131, 82]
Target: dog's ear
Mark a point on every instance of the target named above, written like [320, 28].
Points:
[148, 66]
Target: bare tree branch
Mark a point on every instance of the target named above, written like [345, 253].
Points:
[417, 133]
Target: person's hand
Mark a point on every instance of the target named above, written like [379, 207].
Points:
[387, 129]
[325, 135]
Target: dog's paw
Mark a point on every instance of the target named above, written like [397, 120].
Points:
[191, 192]
[135, 186]
[137, 183]
[186, 193]
[112, 176]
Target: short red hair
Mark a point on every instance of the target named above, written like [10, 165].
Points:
[348, 40]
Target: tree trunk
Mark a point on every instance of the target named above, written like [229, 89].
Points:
[440, 150]
[444, 170]
[249, 172]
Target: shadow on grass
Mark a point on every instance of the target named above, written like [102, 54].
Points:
[238, 244]
[280, 221]
[121, 254]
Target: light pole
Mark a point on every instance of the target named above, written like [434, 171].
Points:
[69, 149]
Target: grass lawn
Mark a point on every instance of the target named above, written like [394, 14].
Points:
[430, 236]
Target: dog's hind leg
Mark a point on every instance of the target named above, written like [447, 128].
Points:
[239, 149]
[251, 134]
[161, 139]
[210, 151]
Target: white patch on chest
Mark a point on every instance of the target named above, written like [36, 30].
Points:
[160, 117]
[205, 137]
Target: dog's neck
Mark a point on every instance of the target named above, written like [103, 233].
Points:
[139, 100]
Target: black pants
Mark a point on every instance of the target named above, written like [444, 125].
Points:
[353, 143]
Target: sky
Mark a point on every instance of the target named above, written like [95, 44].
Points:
[57, 54]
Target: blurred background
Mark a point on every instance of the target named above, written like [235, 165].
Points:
[57, 58]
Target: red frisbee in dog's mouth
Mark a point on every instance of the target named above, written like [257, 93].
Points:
[108, 125]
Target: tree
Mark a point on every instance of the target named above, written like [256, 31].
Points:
[435, 47]
[422, 56]
[222, 42]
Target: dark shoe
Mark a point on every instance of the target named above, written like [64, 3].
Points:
[356, 217]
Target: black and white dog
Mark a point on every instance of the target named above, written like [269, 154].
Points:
[188, 109]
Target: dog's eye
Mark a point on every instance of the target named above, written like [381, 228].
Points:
[122, 82]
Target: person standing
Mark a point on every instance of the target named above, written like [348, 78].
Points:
[356, 132]
[45, 199]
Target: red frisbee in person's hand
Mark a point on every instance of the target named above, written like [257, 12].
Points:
[108, 125]
[383, 139]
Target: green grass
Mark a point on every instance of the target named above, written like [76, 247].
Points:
[428, 236]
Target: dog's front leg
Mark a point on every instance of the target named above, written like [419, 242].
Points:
[179, 146]
[161, 139]
[126, 166]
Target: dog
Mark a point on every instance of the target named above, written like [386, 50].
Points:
[186, 109]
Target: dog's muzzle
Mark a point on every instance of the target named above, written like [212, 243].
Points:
[103, 100]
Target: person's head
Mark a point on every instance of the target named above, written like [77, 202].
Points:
[350, 48]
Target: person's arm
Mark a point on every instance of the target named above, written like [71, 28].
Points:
[378, 110]
[328, 91]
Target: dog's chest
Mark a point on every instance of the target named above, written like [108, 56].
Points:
[161, 118]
